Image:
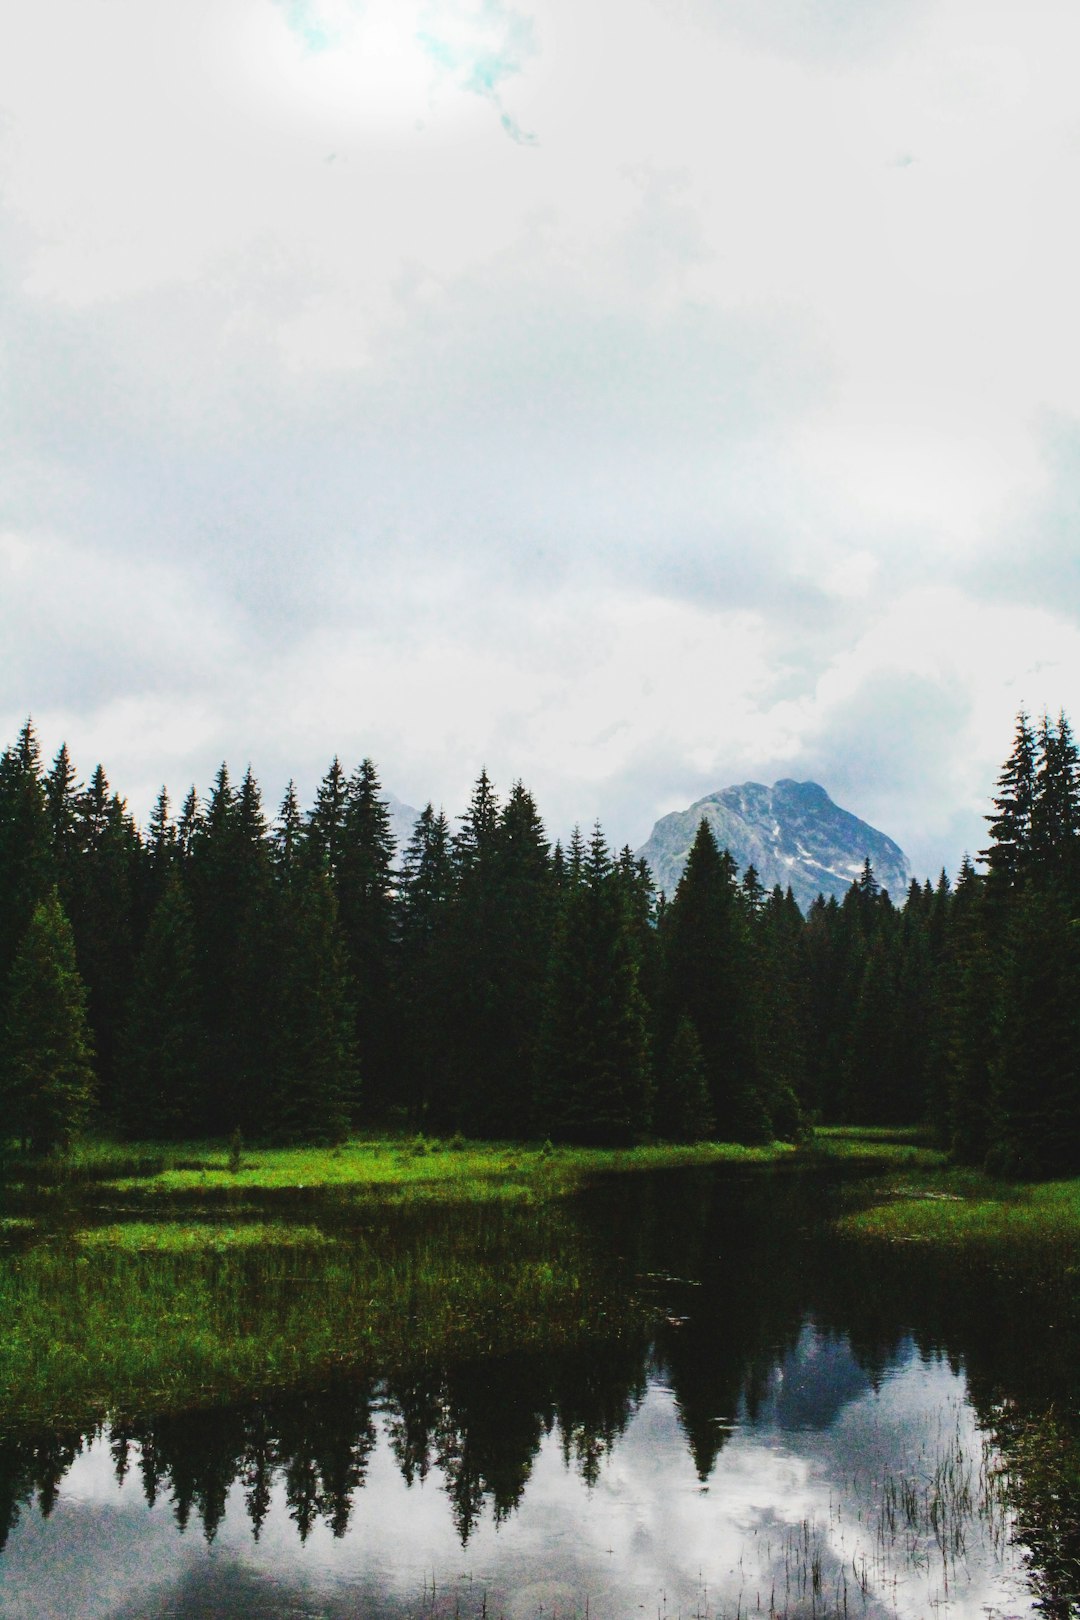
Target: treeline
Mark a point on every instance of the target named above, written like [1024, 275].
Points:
[223, 971]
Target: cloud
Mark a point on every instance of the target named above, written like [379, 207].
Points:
[697, 441]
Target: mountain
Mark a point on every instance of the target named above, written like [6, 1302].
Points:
[403, 819]
[791, 832]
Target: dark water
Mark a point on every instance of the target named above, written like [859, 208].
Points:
[799, 1431]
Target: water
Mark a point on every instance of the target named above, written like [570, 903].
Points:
[796, 1434]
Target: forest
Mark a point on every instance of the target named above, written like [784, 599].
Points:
[223, 973]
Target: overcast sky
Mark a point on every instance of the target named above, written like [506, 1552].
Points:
[633, 396]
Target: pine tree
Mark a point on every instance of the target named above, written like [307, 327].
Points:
[364, 889]
[162, 1087]
[104, 918]
[707, 976]
[683, 1103]
[470, 1036]
[316, 1080]
[971, 1013]
[189, 824]
[1036, 1073]
[27, 863]
[1055, 814]
[232, 896]
[288, 836]
[594, 1081]
[326, 821]
[1009, 855]
[62, 792]
[425, 893]
[46, 1072]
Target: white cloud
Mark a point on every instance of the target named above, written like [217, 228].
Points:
[706, 395]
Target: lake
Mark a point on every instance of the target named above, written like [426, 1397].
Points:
[794, 1428]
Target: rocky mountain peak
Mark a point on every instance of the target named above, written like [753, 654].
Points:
[792, 833]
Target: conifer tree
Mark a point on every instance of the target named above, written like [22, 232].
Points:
[474, 1076]
[425, 894]
[288, 836]
[316, 1080]
[27, 864]
[684, 1111]
[1055, 814]
[1035, 1096]
[233, 900]
[104, 918]
[161, 857]
[162, 1085]
[62, 792]
[707, 977]
[188, 825]
[778, 962]
[364, 887]
[971, 1011]
[45, 1074]
[594, 1081]
[1009, 854]
[326, 820]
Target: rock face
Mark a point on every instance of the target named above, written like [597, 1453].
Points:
[403, 819]
[792, 833]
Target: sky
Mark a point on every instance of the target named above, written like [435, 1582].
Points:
[632, 398]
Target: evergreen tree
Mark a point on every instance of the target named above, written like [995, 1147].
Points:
[46, 1074]
[62, 792]
[162, 855]
[971, 1010]
[288, 836]
[104, 918]
[425, 894]
[1055, 813]
[593, 1081]
[162, 1090]
[326, 821]
[471, 1054]
[1036, 1072]
[27, 864]
[316, 1076]
[1009, 854]
[779, 964]
[188, 825]
[364, 889]
[707, 977]
[232, 897]
[684, 1111]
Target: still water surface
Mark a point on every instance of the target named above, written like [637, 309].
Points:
[797, 1434]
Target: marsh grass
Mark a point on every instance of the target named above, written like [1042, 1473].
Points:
[166, 1275]
[172, 1314]
[963, 1210]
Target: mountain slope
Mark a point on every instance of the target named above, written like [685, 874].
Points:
[792, 833]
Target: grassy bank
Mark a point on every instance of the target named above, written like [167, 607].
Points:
[169, 1314]
[137, 1275]
[380, 1170]
[967, 1215]
[142, 1276]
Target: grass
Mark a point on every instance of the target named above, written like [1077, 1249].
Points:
[175, 1237]
[391, 1169]
[140, 1275]
[111, 1319]
[967, 1224]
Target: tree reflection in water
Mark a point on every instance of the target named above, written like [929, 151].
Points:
[762, 1323]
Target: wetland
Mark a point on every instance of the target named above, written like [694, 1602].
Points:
[491, 1383]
